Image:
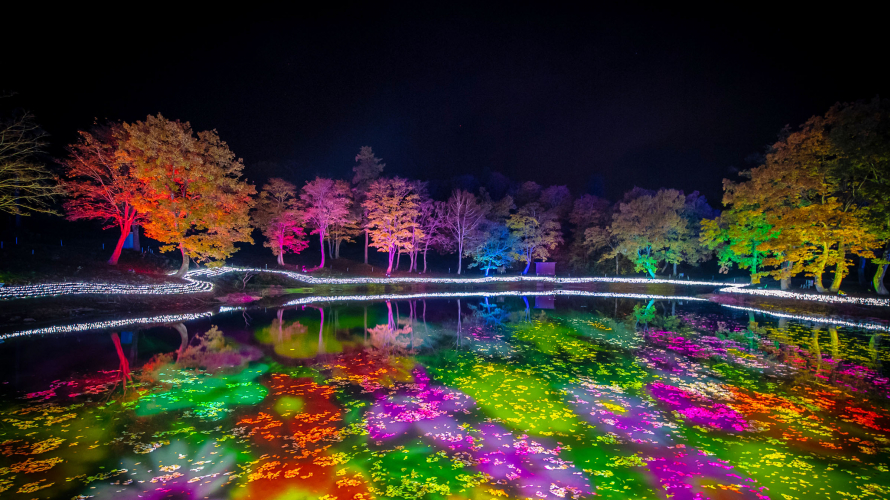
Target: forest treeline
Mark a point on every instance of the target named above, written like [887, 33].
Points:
[819, 198]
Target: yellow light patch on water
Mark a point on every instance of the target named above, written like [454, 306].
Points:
[287, 406]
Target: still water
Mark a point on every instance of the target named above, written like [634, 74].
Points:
[504, 397]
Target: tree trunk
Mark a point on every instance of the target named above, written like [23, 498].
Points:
[817, 274]
[320, 331]
[281, 256]
[616, 265]
[878, 280]
[184, 268]
[391, 257]
[840, 269]
[460, 256]
[366, 246]
[835, 343]
[184, 339]
[675, 270]
[337, 251]
[424, 261]
[785, 282]
[136, 245]
[862, 262]
[321, 242]
[528, 264]
[125, 231]
[398, 259]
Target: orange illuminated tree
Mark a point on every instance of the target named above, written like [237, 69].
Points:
[194, 198]
[101, 184]
[392, 206]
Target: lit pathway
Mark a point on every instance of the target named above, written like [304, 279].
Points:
[196, 284]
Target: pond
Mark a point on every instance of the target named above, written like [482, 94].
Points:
[450, 398]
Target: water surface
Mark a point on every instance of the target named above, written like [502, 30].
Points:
[500, 397]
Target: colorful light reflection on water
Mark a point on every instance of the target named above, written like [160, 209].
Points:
[444, 399]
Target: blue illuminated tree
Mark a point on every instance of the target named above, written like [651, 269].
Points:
[495, 249]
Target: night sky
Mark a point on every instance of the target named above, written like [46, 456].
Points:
[599, 100]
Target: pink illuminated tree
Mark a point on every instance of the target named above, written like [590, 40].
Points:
[278, 217]
[326, 202]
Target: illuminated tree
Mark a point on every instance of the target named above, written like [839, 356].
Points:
[392, 206]
[194, 198]
[463, 214]
[431, 222]
[326, 203]
[25, 185]
[645, 225]
[537, 233]
[101, 183]
[419, 223]
[812, 200]
[683, 244]
[278, 217]
[861, 137]
[558, 200]
[495, 248]
[367, 169]
[737, 237]
[587, 212]
[344, 231]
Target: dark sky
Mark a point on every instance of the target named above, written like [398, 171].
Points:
[638, 96]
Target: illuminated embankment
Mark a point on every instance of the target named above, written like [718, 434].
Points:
[195, 283]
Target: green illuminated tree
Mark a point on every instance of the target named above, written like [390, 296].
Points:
[646, 225]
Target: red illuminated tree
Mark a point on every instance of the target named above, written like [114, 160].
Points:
[279, 218]
[194, 198]
[101, 184]
[326, 202]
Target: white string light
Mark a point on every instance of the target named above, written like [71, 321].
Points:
[195, 285]
[509, 293]
[865, 325]
[117, 323]
[828, 299]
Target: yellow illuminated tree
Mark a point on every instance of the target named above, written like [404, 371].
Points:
[25, 184]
